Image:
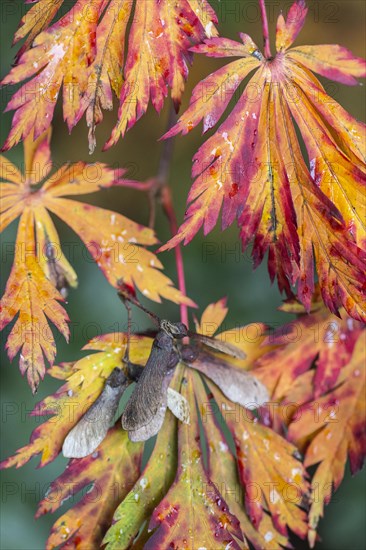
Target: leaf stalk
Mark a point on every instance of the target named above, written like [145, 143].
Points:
[160, 189]
[266, 43]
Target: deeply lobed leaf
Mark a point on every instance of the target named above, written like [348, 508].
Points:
[31, 297]
[83, 54]
[83, 383]
[193, 513]
[244, 482]
[41, 275]
[253, 170]
[111, 471]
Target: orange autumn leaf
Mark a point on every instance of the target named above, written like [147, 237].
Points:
[193, 514]
[253, 488]
[212, 318]
[273, 478]
[250, 339]
[83, 54]
[111, 471]
[252, 168]
[331, 429]
[41, 274]
[32, 296]
[319, 340]
[222, 470]
[83, 383]
[316, 375]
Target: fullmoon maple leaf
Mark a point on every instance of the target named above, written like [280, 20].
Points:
[253, 168]
[315, 373]
[330, 429]
[41, 275]
[273, 479]
[222, 470]
[148, 491]
[320, 340]
[84, 53]
[193, 514]
[31, 296]
[111, 471]
[83, 383]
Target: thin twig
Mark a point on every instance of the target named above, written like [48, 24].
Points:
[166, 200]
[168, 148]
[158, 189]
[162, 190]
[162, 177]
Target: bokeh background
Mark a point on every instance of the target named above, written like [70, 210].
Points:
[94, 308]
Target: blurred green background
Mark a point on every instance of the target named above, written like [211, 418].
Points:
[94, 308]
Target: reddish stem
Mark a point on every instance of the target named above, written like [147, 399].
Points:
[267, 46]
[139, 185]
[162, 190]
[158, 188]
[166, 200]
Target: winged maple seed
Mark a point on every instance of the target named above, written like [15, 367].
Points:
[41, 274]
[145, 411]
[253, 167]
[256, 493]
[84, 53]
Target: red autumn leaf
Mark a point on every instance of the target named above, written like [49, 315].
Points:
[41, 274]
[111, 470]
[253, 168]
[331, 429]
[257, 492]
[316, 376]
[193, 514]
[320, 339]
[272, 477]
[83, 54]
[222, 470]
